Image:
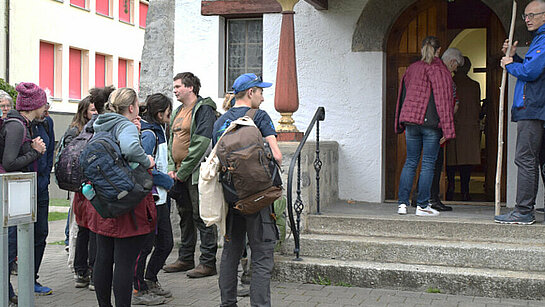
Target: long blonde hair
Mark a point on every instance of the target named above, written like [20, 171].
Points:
[430, 45]
[121, 99]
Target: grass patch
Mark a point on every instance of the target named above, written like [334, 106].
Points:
[324, 281]
[56, 243]
[55, 216]
[59, 202]
[343, 284]
[433, 290]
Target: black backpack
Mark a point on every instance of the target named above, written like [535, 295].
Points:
[68, 173]
[119, 188]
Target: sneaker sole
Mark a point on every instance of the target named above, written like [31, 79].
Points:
[43, 294]
[515, 223]
[401, 213]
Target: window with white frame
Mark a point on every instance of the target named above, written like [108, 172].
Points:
[244, 52]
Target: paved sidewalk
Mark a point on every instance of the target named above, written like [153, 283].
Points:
[204, 292]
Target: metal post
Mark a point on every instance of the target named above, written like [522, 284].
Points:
[4, 267]
[18, 207]
[25, 264]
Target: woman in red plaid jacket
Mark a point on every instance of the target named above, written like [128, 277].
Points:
[425, 108]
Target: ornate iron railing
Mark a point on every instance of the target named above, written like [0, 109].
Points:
[295, 224]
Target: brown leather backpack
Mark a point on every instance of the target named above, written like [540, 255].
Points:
[246, 167]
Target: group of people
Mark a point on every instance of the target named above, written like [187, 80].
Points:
[112, 253]
[430, 100]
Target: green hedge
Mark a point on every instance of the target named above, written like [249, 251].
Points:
[8, 88]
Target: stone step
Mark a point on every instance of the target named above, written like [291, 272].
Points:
[508, 256]
[462, 281]
[410, 226]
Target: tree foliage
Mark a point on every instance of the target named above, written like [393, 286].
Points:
[8, 88]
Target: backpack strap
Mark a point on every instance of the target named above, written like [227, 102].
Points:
[21, 122]
[251, 113]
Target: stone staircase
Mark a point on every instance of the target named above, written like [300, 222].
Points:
[459, 252]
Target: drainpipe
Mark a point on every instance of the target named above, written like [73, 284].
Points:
[7, 41]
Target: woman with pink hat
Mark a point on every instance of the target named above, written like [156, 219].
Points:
[18, 150]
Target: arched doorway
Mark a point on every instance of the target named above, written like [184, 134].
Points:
[445, 20]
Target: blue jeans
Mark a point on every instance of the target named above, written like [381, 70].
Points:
[425, 141]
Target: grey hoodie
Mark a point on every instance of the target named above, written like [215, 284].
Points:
[127, 135]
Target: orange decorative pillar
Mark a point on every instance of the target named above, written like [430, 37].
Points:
[286, 97]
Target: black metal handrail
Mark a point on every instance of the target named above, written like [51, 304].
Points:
[295, 225]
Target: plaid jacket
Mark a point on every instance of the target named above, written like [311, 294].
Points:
[419, 79]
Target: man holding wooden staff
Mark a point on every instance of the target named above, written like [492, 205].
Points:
[529, 113]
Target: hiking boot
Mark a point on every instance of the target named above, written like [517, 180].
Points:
[13, 300]
[81, 280]
[41, 290]
[515, 217]
[145, 297]
[155, 288]
[402, 209]
[178, 266]
[202, 271]
[427, 211]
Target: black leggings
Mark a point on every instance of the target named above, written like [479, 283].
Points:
[122, 252]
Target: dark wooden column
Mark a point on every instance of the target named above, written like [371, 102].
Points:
[286, 98]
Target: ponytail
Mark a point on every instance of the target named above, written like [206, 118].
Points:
[430, 45]
[229, 101]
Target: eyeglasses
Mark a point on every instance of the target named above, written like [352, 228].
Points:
[5, 106]
[530, 16]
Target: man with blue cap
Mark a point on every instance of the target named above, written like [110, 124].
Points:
[259, 227]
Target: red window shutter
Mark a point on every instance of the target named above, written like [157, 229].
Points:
[74, 83]
[80, 3]
[103, 7]
[143, 14]
[100, 70]
[47, 66]
[139, 71]
[125, 10]
[122, 73]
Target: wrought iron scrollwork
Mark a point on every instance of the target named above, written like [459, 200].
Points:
[298, 206]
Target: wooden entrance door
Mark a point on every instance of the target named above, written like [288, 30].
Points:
[423, 18]
[436, 17]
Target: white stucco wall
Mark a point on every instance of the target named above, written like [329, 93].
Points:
[348, 84]
[3, 31]
[60, 23]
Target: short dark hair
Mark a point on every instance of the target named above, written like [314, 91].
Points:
[189, 79]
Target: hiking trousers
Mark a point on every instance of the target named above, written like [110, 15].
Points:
[262, 235]
[186, 196]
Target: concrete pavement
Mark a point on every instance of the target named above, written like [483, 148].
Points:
[204, 292]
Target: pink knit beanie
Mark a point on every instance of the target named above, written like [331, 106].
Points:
[30, 97]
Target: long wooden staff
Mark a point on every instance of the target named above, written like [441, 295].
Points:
[500, 115]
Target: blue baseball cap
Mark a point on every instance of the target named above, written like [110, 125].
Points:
[246, 81]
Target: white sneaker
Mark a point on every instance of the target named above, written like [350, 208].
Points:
[402, 209]
[428, 211]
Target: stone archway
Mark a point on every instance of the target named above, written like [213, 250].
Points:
[378, 16]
